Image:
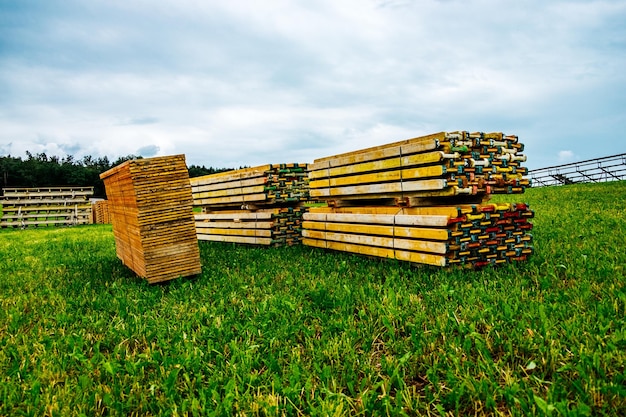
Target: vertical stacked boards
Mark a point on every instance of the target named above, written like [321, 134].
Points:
[424, 200]
[100, 212]
[260, 205]
[46, 206]
[151, 208]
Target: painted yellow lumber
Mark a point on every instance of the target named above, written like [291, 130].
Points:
[235, 225]
[242, 215]
[248, 198]
[420, 144]
[230, 175]
[236, 232]
[361, 249]
[381, 189]
[451, 211]
[314, 242]
[314, 234]
[423, 233]
[420, 258]
[421, 246]
[354, 210]
[392, 219]
[230, 192]
[379, 165]
[261, 180]
[384, 176]
[237, 239]
[380, 241]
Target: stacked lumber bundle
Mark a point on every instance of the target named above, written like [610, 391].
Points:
[424, 200]
[260, 205]
[277, 226]
[46, 206]
[470, 235]
[152, 212]
[416, 171]
[100, 212]
[265, 185]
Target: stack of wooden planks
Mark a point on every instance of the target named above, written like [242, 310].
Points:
[262, 205]
[100, 212]
[416, 171]
[270, 226]
[471, 235]
[46, 206]
[265, 185]
[424, 200]
[151, 207]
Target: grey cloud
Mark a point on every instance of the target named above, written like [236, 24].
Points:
[148, 120]
[148, 151]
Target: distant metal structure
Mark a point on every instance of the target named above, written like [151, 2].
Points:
[608, 168]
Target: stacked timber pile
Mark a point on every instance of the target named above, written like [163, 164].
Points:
[270, 226]
[474, 235]
[46, 206]
[152, 212]
[459, 165]
[424, 200]
[100, 212]
[260, 205]
[261, 186]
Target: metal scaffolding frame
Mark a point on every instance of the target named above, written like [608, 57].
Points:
[608, 168]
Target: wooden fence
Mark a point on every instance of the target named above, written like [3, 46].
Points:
[46, 206]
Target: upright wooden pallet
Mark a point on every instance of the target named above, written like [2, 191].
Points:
[151, 207]
[46, 206]
[100, 212]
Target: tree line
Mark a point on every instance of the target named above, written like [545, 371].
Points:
[41, 170]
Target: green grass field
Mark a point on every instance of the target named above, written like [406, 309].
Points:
[302, 331]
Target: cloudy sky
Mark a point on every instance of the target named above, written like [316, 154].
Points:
[245, 82]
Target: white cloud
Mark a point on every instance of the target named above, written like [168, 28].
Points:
[566, 156]
[244, 83]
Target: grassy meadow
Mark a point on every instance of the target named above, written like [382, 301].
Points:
[303, 331]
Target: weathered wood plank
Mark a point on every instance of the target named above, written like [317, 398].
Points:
[234, 225]
[237, 239]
